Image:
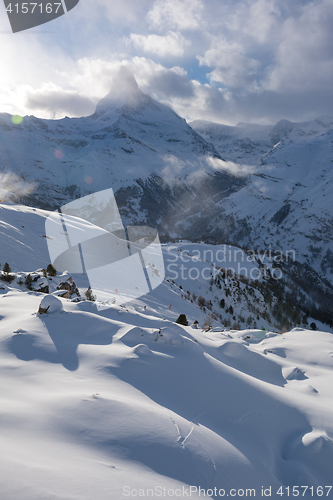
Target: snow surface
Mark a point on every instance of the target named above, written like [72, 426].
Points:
[93, 403]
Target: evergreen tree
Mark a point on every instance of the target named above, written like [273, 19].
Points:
[6, 276]
[6, 268]
[182, 320]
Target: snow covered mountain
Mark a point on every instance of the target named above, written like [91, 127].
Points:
[131, 143]
[286, 203]
[258, 187]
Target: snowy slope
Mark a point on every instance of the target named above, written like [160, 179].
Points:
[192, 270]
[243, 140]
[125, 402]
[95, 403]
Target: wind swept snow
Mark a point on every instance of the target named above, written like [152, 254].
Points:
[92, 403]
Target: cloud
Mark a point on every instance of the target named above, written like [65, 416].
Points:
[12, 188]
[176, 14]
[176, 170]
[127, 13]
[160, 82]
[57, 101]
[232, 67]
[259, 20]
[240, 170]
[95, 76]
[304, 56]
[248, 60]
[171, 44]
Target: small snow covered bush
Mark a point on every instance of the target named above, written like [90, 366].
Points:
[89, 295]
[51, 271]
[208, 323]
[28, 281]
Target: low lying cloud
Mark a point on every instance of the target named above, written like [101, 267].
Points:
[13, 188]
[56, 101]
[240, 170]
[174, 168]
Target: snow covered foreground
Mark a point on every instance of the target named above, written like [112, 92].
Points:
[119, 404]
[125, 403]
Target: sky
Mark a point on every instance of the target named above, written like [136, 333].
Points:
[226, 61]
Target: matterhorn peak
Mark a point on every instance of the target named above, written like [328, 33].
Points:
[124, 92]
[124, 81]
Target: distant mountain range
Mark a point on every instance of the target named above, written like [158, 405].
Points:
[287, 200]
[254, 186]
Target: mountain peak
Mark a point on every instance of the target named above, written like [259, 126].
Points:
[124, 91]
[124, 82]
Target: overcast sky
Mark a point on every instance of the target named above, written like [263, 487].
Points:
[220, 60]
